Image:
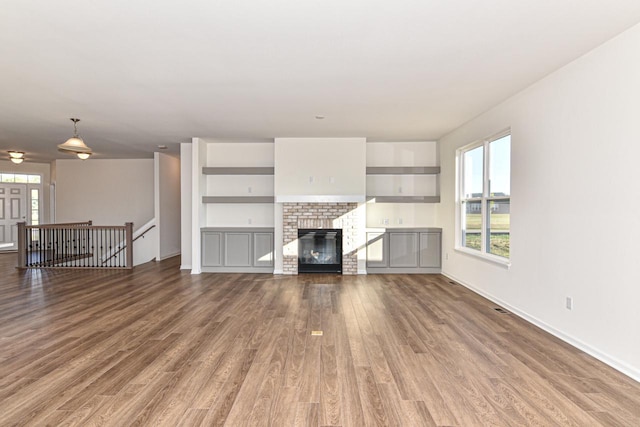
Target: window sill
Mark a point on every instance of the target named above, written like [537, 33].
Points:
[503, 262]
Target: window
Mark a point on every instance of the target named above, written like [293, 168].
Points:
[35, 206]
[19, 178]
[485, 196]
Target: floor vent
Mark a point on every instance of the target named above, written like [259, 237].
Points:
[501, 310]
[453, 283]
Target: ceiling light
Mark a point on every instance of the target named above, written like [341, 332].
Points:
[83, 156]
[16, 157]
[162, 147]
[75, 144]
[319, 117]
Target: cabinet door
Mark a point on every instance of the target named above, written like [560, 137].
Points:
[211, 249]
[430, 250]
[377, 250]
[237, 249]
[263, 249]
[403, 249]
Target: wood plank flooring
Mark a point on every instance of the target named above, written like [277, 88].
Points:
[161, 347]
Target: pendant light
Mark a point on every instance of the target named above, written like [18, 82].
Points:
[75, 144]
[16, 157]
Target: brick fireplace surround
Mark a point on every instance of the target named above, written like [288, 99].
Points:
[320, 215]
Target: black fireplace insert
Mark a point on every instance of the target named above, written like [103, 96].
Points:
[319, 251]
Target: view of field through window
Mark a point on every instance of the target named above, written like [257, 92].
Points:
[492, 203]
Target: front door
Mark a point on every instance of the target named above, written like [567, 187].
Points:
[13, 209]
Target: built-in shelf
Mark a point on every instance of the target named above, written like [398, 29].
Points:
[398, 171]
[237, 170]
[404, 199]
[403, 170]
[237, 199]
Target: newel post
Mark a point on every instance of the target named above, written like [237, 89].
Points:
[129, 245]
[22, 245]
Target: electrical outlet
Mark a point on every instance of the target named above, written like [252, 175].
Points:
[385, 221]
[400, 190]
[569, 303]
[399, 220]
[249, 221]
[332, 180]
[249, 189]
[310, 180]
[446, 255]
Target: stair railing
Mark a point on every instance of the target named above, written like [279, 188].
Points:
[74, 245]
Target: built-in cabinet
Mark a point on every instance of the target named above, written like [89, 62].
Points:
[404, 250]
[242, 250]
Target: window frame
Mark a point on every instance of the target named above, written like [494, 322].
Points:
[485, 199]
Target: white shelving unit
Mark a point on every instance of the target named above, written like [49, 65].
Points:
[238, 172]
[239, 185]
[392, 179]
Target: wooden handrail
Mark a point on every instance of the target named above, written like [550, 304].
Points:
[63, 224]
[143, 233]
[125, 246]
[75, 227]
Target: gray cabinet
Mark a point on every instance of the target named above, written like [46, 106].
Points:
[211, 249]
[377, 249]
[403, 249]
[237, 250]
[263, 249]
[430, 250]
[407, 250]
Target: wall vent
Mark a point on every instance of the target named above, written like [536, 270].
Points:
[501, 310]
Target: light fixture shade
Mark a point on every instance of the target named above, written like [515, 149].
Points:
[83, 156]
[74, 145]
[17, 160]
[16, 155]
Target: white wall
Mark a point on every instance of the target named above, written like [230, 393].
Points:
[109, 192]
[167, 204]
[575, 203]
[186, 195]
[310, 167]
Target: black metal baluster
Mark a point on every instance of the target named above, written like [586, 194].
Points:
[123, 243]
[100, 251]
[110, 247]
[75, 247]
[40, 245]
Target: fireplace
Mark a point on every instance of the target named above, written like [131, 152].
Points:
[319, 250]
[325, 216]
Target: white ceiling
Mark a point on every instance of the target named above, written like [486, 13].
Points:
[142, 73]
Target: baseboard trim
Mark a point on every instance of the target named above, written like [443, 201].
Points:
[185, 267]
[630, 371]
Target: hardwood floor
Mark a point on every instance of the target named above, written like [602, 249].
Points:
[161, 347]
